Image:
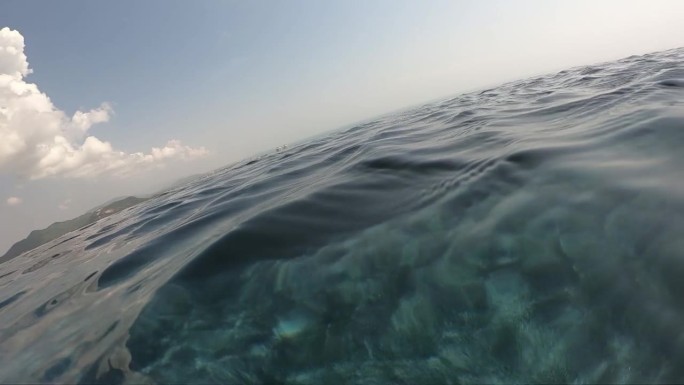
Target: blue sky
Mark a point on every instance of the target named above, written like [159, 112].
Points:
[239, 78]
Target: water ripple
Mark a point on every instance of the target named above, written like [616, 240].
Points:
[526, 233]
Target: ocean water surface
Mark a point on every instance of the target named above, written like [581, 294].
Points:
[532, 232]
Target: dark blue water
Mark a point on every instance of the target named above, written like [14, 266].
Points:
[532, 232]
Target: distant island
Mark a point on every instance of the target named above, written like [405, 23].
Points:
[57, 229]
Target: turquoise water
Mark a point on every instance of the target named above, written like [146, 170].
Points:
[527, 233]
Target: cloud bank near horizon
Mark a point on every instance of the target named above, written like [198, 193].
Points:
[38, 140]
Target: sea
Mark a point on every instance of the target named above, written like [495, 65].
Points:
[528, 233]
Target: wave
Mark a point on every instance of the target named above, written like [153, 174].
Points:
[526, 233]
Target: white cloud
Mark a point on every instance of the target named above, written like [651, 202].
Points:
[64, 205]
[38, 140]
[14, 201]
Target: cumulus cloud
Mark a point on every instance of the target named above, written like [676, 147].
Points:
[14, 201]
[38, 140]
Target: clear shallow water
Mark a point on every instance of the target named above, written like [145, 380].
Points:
[528, 233]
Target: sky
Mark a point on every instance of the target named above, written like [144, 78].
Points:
[106, 99]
